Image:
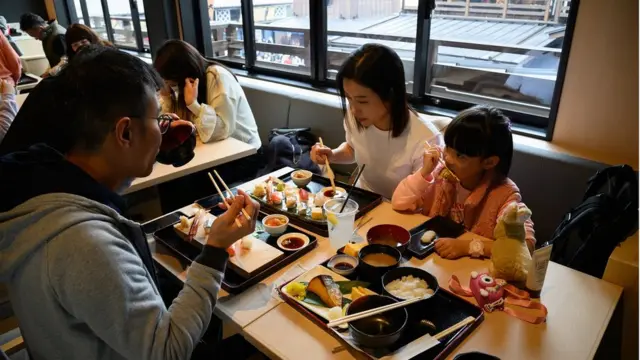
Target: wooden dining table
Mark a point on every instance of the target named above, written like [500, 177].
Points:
[580, 307]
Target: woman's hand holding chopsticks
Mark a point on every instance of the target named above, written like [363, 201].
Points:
[224, 230]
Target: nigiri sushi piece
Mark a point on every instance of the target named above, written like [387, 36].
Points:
[304, 195]
[276, 198]
[302, 209]
[320, 200]
[260, 190]
[289, 192]
[247, 243]
[291, 202]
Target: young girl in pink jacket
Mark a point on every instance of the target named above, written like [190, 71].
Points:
[478, 151]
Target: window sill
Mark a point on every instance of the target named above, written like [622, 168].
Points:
[144, 56]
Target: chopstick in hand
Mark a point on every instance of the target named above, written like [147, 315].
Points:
[244, 212]
[223, 198]
[376, 311]
[329, 170]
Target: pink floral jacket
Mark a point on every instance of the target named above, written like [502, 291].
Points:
[482, 209]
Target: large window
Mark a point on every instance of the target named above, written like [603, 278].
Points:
[508, 53]
[122, 22]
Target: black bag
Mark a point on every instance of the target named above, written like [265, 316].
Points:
[607, 215]
[290, 147]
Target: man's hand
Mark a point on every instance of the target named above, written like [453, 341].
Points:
[224, 231]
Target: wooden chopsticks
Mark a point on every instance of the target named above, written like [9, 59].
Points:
[376, 311]
[428, 146]
[332, 176]
[223, 198]
[468, 320]
[246, 214]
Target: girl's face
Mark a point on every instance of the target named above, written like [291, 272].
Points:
[366, 106]
[469, 169]
[78, 44]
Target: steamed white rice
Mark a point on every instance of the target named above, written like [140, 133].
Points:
[409, 287]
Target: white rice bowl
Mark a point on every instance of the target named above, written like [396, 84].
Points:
[409, 287]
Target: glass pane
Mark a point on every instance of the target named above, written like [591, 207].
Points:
[282, 35]
[501, 52]
[143, 25]
[121, 23]
[96, 17]
[225, 20]
[78, 8]
[353, 23]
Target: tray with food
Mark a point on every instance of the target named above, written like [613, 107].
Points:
[271, 247]
[424, 235]
[428, 328]
[301, 196]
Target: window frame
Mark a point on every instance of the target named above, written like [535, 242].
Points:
[536, 126]
[135, 20]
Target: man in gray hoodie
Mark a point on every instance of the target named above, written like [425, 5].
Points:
[80, 274]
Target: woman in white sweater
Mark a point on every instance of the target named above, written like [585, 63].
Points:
[381, 129]
[206, 93]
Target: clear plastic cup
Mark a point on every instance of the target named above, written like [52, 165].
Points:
[340, 224]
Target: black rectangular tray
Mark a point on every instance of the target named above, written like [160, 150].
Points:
[366, 200]
[233, 282]
[443, 310]
[443, 227]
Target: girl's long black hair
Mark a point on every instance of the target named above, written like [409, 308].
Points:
[380, 69]
[482, 131]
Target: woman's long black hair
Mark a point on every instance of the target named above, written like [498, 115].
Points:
[177, 60]
[482, 131]
[380, 69]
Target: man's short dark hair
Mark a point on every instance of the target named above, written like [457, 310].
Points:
[30, 21]
[102, 85]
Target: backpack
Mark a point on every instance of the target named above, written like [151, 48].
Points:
[289, 147]
[608, 214]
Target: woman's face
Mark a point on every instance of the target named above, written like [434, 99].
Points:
[366, 106]
[78, 44]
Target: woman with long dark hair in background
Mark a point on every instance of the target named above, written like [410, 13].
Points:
[79, 35]
[206, 93]
[382, 131]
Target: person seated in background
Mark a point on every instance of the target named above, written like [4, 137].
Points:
[10, 65]
[52, 36]
[206, 93]
[8, 106]
[80, 275]
[478, 152]
[79, 35]
[382, 130]
[4, 29]
[43, 118]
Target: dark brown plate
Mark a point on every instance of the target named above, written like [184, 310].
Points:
[443, 227]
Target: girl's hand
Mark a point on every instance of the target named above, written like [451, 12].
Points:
[6, 87]
[449, 248]
[190, 90]
[319, 152]
[430, 160]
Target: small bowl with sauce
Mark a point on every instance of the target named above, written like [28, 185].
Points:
[275, 224]
[388, 234]
[293, 241]
[376, 260]
[329, 194]
[343, 264]
[301, 178]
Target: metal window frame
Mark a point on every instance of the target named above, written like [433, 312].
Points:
[135, 19]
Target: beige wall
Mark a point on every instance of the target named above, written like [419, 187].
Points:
[598, 115]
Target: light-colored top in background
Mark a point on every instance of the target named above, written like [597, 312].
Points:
[226, 113]
[389, 160]
[8, 111]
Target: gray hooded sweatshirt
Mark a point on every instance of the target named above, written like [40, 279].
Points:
[78, 283]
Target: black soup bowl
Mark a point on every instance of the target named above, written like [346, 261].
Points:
[371, 273]
[377, 331]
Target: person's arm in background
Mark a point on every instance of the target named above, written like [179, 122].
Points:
[215, 120]
[8, 107]
[60, 50]
[11, 58]
[114, 298]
